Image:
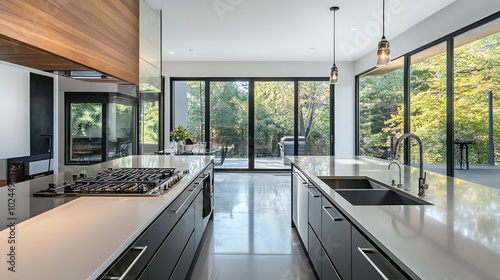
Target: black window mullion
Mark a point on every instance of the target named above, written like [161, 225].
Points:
[450, 110]
[207, 112]
[251, 125]
[406, 101]
[296, 117]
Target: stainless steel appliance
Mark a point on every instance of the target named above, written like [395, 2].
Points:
[123, 181]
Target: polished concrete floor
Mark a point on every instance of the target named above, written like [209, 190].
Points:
[251, 235]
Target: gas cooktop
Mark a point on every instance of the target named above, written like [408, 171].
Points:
[123, 181]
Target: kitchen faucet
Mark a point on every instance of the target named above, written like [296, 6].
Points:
[399, 167]
[422, 186]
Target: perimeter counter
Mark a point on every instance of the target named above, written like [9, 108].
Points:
[106, 236]
[454, 234]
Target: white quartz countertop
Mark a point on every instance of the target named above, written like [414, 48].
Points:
[79, 239]
[458, 237]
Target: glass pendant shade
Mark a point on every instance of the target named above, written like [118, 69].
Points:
[334, 75]
[383, 53]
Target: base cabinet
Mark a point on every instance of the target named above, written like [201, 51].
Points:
[368, 262]
[336, 238]
[167, 247]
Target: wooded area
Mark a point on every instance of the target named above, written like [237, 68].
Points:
[476, 71]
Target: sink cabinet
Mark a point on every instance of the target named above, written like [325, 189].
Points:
[368, 262]
[336, 238]
[336, 248]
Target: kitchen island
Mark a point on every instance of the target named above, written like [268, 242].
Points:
[79, 238]
[455, 236]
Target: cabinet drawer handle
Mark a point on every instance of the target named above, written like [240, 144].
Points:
[336, 219]
[363, 252]
[135, 248]
[203, 179]
[176, 209]
[313, 189]
[304, 182]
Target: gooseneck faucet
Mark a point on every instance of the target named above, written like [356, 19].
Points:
[422, 186]
[399, 167]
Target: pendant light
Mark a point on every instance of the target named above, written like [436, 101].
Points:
[383, 52]
[334, 73]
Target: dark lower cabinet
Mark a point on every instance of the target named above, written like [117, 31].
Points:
[198, 218]
[163, 263]
[315, 251]
[328, 271]
[369, 263]
[167, 247]
[336, 238]
[182, 268]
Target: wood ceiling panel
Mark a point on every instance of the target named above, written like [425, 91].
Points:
[100, 35]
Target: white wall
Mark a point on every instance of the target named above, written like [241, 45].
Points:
[453, 17]
[14, 111]
[344, 92]
[68, 84]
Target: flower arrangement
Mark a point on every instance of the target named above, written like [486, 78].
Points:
[179, 133]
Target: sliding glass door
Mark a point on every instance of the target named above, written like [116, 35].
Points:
[273, 120]
[256, 119]
[229, 121]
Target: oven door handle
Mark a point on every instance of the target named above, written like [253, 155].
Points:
[175, 210]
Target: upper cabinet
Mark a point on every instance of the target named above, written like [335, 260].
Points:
[72, 35]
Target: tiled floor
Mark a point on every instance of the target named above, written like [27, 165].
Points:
[251, 235]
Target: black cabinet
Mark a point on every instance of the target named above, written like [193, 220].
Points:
[167, 247]
[368, 262]
[336, 239]
[328, 271]
[314, 218]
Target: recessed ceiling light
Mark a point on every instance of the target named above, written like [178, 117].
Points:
[312, 49]
[190, 50]
[171, 52]
[353, 29]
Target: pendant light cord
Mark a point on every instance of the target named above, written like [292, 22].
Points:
[383, 19]
[334, 37]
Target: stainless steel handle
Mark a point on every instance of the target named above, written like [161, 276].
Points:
[336, 219]
[304, 182]
[363, 252]
[176, 209]
[317, 194]
[206, 176]
[135, 248]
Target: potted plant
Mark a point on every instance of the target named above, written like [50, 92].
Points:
[179, 134]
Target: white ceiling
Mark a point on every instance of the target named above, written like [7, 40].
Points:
[282, 30]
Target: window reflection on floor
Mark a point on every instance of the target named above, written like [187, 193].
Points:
[251, 236]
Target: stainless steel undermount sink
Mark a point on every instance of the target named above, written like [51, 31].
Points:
[351, 183]
[378, 197]
[364, 191]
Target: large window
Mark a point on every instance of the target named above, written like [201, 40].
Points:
[428, 105]
[446, 93]
[256, 119]
[229, 120]
[381, 115]
[476, 89]
[273, 121]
